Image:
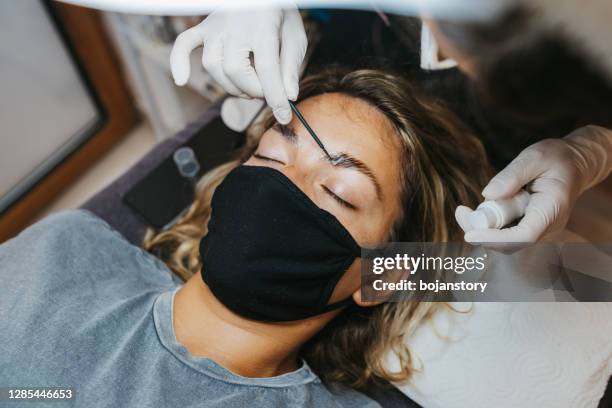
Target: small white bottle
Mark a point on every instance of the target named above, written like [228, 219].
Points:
[497, 214]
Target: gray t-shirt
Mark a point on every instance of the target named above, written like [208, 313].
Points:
[80, 307]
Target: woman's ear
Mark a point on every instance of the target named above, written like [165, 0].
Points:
[358, 300]
[393, 276]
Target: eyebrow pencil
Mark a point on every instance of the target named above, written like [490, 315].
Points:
[309, 129]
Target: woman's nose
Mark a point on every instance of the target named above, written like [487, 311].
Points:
[297, 175]
[304, 176]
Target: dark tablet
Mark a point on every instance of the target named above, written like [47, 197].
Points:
[164, 193]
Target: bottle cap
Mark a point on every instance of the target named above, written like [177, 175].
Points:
[483, 218]
[186, 162]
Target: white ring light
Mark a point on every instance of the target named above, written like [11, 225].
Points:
[457, 9]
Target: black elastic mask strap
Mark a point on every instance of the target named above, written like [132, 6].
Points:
[333, 306]
[341, 303]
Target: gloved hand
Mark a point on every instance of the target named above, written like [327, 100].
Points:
[276, 39]
[556, 172]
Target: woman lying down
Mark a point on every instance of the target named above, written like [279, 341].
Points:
[270, 312]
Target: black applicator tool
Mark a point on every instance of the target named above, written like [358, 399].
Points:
[309, 129]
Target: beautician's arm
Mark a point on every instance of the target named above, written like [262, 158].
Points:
[556, 172]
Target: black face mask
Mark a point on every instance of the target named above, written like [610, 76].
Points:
[271, 254]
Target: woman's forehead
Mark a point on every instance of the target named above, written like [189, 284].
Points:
[346, 123]
[342, 117]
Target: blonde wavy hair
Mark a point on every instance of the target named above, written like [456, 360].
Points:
[443, 165]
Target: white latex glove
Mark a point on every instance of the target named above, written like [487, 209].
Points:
[238, 113]
[276, 39]
[556, 172]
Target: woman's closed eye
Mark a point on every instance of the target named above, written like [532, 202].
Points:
[338, 199]
[266, 158]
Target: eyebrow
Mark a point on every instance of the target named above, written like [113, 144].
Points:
[287, 131]
[346, 161]
[341, 159]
